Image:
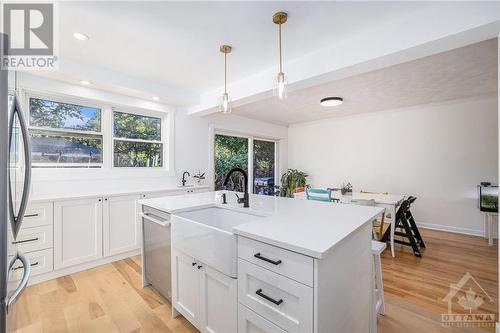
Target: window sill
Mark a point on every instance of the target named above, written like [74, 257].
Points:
[98, 174]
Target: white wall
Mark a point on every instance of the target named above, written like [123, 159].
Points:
[438, 153]
[190, 149]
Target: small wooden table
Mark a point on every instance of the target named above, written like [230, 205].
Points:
[390, 202]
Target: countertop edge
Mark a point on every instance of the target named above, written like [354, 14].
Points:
[104, 193]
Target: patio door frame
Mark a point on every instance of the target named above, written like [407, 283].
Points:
[214, 131]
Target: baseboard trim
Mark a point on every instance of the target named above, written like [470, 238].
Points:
[77, 268]
[458, 230]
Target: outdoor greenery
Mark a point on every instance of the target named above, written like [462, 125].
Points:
[291, 180]
[132, 126]
[45, 113]
[132, 153]
[230, 152]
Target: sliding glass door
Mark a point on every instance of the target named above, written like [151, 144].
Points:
[248, 153]
[230, 152]
[264, 170]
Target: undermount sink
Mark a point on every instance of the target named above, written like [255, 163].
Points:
[206, 235]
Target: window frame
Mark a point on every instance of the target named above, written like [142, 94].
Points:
[106, 171]
[213, 131]
[163, 129]
[67, 100]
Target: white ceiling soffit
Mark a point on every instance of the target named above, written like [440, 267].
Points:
[435, 27]
[461, 73]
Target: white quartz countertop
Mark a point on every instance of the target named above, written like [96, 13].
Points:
[307, 227]
[35, 197]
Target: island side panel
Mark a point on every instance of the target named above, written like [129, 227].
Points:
[343, 283]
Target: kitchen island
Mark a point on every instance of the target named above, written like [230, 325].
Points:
[282, 265]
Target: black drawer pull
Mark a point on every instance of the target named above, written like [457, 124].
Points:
[25, 241]
[274, 262]
[31, 215]
[19, 267]
[270, 299]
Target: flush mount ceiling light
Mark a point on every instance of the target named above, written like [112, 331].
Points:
[225, 104]
[331, 101]
[85, 82]
[280, 82]
[155, 98]
[81, 36]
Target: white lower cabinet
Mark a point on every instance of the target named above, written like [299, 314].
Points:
[250, 322]
[186, 287]
[77, 231]
[204, 296]
[218, 302]
[121, 228]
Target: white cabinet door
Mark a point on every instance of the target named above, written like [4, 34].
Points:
[121, 227]
[186, 286]
[218, 302]
[77, 231]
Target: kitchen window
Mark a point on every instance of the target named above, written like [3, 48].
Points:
[137, 140]
[64, 134]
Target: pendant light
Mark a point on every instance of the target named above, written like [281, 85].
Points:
[225, 104]
[280, 83]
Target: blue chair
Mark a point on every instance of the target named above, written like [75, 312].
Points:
[319, 194]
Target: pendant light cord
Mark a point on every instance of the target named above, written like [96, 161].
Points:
[225, 72]
[281, 66]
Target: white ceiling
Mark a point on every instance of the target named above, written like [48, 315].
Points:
[464, 72]
[176, 44]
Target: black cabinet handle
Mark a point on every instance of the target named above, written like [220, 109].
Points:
[274, 262]
[25, 241]
[270, 299]
[31, 215]
[19, 267]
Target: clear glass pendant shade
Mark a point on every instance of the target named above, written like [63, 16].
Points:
[280, 86]
[225, 104]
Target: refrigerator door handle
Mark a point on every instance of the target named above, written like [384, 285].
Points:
[17, 220]
[10, 300]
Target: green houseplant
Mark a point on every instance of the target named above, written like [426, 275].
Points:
[291, 180]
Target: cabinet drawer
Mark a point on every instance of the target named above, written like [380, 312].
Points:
[250, 322]
[283, 301]
[293, 265]
[32, 239]
[41, 262]
[38, 214]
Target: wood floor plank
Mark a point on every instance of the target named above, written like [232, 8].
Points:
[110, 298]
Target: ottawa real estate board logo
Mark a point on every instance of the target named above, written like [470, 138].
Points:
[466, 302]
[28, 36]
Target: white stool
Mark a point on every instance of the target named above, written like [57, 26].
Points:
[488, 226]
[378, 305]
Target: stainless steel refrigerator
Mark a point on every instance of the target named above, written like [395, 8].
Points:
[15, 179]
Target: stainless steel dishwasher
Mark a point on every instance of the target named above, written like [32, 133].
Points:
[156, 260]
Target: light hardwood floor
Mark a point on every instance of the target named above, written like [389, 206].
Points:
[110, 298]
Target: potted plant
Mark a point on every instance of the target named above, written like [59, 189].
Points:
[291, 181]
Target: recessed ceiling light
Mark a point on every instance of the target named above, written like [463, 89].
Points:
[155, 98]
[85, 82]
[81, 36]
[331, 101]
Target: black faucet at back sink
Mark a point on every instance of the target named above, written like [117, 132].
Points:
[246, 198]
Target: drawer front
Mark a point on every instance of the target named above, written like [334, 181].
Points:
[250, 322]
[285, 302]
[41, 262]
[38, 214]
[293, 265]
[32, 239]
